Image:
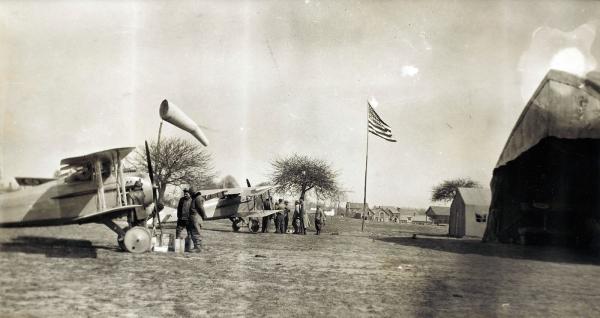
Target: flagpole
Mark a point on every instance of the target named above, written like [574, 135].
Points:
[362, 228]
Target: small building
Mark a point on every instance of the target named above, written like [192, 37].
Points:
[421, 219]
[382, 214]
[355, 210]
[395, 216]
[391, 212]
[408, 215]
[438, 214]
[469, 211]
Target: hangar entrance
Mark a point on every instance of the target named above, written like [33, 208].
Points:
[550, 194]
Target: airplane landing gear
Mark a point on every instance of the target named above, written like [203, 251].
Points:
[235, 224]
[121, 239]
[254, 226]
[137, 240]
[121, 242]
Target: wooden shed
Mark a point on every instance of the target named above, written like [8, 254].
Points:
[469, 211]
[439, 214]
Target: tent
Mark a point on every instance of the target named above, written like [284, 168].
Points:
[546, 184]
[468, 212]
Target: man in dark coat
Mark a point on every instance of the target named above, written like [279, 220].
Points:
[183, 212]
[265, 219]
[136, 196]
[296, 218]
[286, 216]
[303, 217]
[319, 220]
[194, 223]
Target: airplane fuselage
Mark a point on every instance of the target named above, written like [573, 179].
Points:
[55, 203]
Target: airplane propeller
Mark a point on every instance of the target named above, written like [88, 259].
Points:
[248, 183]
[154, 194]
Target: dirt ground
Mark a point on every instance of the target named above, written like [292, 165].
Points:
[78, 271]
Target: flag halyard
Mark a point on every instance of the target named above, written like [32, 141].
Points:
[378, 127]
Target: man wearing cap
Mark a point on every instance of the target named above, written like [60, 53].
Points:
[278, 218]
[296, 217]
[286, 216]
[265, 219]
[303, 217]
[183, 212]
[196, 215]
[136, 196]
[319, 220]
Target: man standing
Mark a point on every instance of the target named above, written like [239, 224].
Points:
[136, 196]
[296, 218]
[276, 217]
[319, 220]
[183, 213]
[303, 217]
[265, 219]
[196, 215]
[286, 216]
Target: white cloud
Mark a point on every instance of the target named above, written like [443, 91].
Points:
[409, 70]
[552, 48]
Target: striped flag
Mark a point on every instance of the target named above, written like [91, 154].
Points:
[377, 126]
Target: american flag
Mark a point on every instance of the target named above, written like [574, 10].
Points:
[377, 126]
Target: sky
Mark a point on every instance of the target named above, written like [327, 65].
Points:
[272, 78]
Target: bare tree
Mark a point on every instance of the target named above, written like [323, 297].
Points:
[179, 163]
[299, 174]
[446, 190]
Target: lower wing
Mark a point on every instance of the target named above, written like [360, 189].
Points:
[256, 213]
[105, 215]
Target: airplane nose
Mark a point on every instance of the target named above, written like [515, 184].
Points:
[147, 188]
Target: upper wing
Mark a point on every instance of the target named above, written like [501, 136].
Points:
[106, 214]
[257, 190]
[242, 191]
[32, 181]
[108, 154]
[209, 192]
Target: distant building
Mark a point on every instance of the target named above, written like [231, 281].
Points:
[395, 217]
[439, 214]
[408, 215]
[421, 219]
[381, 214]
[469, 211]
[355, 210]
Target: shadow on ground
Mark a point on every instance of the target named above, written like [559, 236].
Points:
[537, 253]
[50, 247]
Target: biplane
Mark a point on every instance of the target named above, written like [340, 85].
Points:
[94, 189]
[91, 189]
[242, 206]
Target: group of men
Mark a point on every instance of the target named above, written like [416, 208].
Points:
[191, 208]
[282, 218]
[189, 212]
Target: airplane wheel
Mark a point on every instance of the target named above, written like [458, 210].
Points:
[137, 240]
[254, 227]
[235, 226]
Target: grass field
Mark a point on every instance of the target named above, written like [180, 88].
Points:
[79, 271]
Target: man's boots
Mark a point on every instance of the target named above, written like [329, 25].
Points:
[197, 248]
